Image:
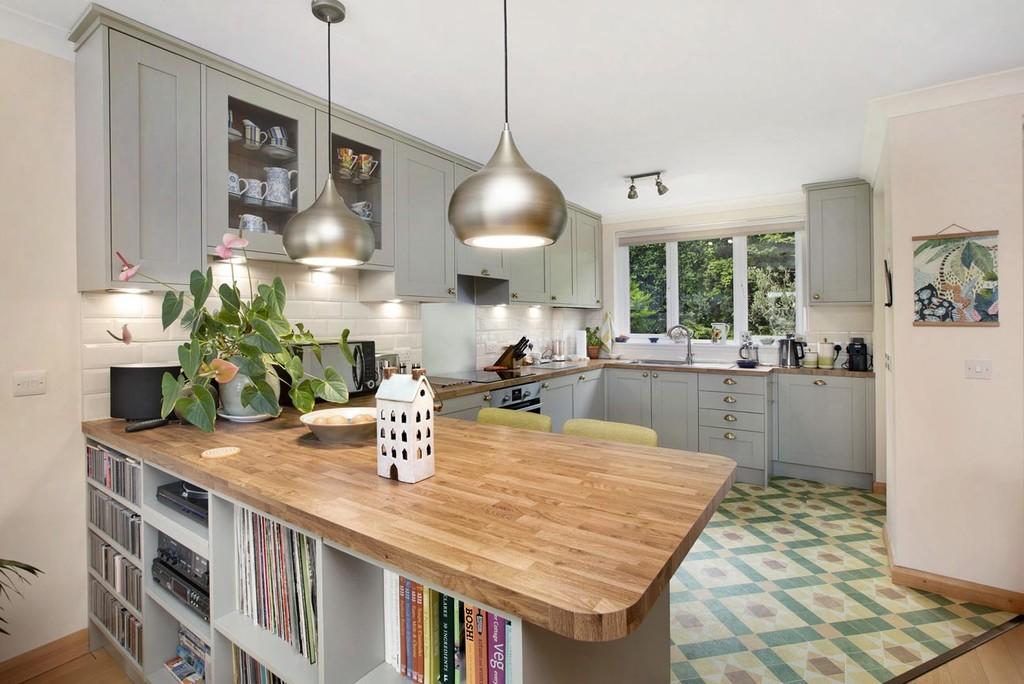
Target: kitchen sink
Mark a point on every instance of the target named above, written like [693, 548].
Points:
[679, 362]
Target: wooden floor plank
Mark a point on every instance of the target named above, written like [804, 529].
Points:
[92, 668]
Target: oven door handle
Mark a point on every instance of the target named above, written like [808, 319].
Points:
[531, 406]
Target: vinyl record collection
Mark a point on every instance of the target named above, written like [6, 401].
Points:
[117, 570]
[121, 624]
[119, 523]
[277, 579]
[248, 670]
[119, 474]
[431, 637]
[188, 665]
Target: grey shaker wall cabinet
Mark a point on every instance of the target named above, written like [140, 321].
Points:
[139, 161]
[587, 254]
[839, 242]
[477, 261]
[243, 99]
[561, 271]
[424, 242]
[826, 429]
[528, 275]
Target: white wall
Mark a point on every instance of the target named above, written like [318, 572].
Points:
[42, 493]
[956, 492]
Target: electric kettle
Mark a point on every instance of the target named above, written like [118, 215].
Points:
[791, 351]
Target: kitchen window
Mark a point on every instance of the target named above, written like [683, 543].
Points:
[750, 281]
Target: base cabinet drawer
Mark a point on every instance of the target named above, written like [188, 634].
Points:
[732, 420]
[731, 401]
[734, 384]
[742, 446]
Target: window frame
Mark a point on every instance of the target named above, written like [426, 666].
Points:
[740, 286]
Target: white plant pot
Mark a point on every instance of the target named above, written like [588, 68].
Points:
[231, 394]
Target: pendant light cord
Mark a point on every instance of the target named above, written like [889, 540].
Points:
[505, 16]
[330, 136]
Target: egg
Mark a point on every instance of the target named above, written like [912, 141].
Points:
[361, 418]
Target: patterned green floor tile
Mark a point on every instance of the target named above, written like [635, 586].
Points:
[789, 583]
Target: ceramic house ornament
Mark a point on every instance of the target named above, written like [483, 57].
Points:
[405, 426]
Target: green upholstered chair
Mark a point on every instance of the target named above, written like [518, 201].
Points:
[524, 420]
[612, 432]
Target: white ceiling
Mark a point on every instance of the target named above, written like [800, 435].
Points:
[735, 99]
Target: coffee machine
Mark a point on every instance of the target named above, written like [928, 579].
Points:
[858, 358]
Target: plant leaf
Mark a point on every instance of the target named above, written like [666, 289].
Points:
[199, 408]
[229, 298]
[334, 388]
[295, 369]
[200, 285]
[170, 388]
[346, 351]
[280, 293]
[190, 355]
[250, 366]
[171, 309]
[266, 337]
[302, 396]
[261, 397]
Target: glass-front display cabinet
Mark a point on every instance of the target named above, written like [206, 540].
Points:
[260, 163]
[363, 165]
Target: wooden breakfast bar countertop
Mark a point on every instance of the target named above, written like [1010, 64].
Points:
[579, 537]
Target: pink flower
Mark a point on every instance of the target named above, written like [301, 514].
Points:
[126, 335]
[128, 271]
[229, 242]
[224, 370]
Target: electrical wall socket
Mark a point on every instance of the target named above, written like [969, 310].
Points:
[27, 383]
[978, 369]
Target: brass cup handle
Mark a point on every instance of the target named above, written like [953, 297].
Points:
[729, 399]
[487, 396]
[729, 381]
[451, 290]
[820, 382]
[729, 418]
[730, 435]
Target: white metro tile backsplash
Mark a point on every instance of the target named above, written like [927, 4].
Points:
[499, 326]
[324, 302]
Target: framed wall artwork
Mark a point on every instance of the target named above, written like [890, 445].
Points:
[956, 278]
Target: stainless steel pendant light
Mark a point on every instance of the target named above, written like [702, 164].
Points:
[328, 234]
[507, 204]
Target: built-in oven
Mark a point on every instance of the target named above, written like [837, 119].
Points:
[519, 398]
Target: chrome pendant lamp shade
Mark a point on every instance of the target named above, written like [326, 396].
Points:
[328, 234]
[507, 204]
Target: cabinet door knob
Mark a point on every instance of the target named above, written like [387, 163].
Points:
[729, 381]
[597, 301]
[515, 295]
[729, 399]
[729, 418]
[654, 375]
[817, 296]
[554, 298]
[451, 290]
[820, 382]
[730, 435]
[484, 272]
[645, 374]
[582, 378]
[487, 396]
[545, 385]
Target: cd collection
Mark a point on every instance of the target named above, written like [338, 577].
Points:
[117, 570]
[189, 662]
[120, 523]
[121, 624]
[248, 670]
[119, 474]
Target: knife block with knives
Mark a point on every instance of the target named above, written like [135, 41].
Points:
[512, 357]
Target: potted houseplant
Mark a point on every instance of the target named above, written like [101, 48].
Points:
[247, 347]
[594, 343]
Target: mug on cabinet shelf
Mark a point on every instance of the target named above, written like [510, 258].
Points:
[279, 185]
[255, 190]
[367, 165]
[236, 185]
[254, 137]
[362, 209]
[252, 223]
[347, 159]
[278, 136]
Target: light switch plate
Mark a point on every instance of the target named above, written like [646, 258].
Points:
[27, 383]
[978, 369]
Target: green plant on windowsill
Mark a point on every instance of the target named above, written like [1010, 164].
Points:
[10, 572]
[252, 338]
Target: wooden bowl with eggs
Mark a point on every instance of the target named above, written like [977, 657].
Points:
[341, 425]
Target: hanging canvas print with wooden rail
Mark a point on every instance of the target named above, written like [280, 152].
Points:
[956, 278]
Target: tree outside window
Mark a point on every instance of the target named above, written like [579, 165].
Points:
[771, 283]
[705, 284]
[647, 288]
